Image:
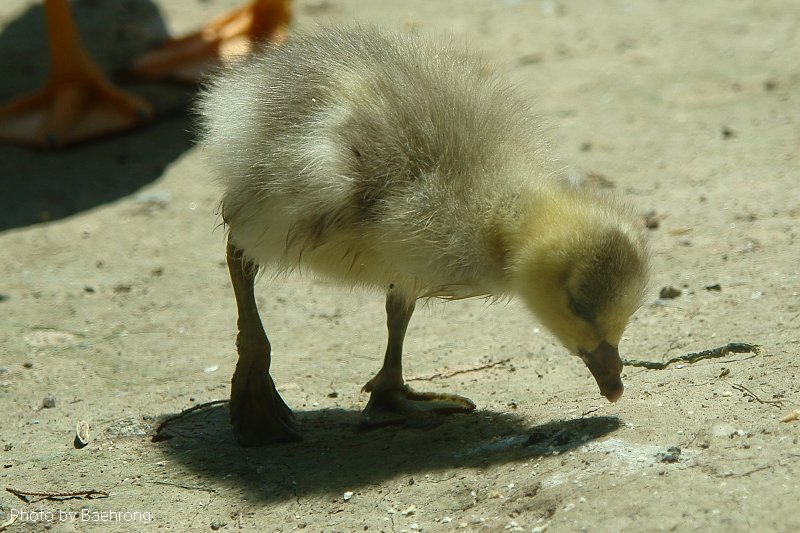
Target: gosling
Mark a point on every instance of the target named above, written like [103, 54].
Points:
[389, 161]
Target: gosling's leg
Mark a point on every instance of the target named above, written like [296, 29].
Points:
[391, 400]
[258, 413]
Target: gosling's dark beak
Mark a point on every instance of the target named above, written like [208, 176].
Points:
[606, 366]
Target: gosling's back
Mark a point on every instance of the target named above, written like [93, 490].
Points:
[372, 157]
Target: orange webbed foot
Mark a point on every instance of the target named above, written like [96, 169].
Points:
[68, 111]
[188, 58]
[77, 103]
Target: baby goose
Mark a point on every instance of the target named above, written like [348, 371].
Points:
[388, 161]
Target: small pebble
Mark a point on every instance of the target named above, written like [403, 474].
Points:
[347, 495]
[652, 220]
[211, 369]
[49, 401]
[669, 292]
[216, 524]
[715, 287]
[81, 434]
[727, 132]
[672, 455]
[514, 526]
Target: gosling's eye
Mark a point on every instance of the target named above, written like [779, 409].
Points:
[582, 310]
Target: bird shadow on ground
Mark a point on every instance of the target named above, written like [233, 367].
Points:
[335, 456]
[40, 186]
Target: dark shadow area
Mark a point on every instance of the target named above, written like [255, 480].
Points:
[335, 456]
[564, 435]
[37, 186]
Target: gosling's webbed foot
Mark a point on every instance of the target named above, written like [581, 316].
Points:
[401, 405]
[258, 413]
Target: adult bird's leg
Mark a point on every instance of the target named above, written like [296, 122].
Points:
[391, 400]
[78, 102]
[258, 413]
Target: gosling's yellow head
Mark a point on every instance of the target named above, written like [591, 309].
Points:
[583, 276]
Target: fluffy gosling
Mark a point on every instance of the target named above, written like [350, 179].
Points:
[389, 161]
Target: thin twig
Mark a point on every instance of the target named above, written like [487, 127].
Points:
[591, 410]
[188, 487]
[742, 388]
[452, 373]
[25, 495]
[5, 525]
[182, 414]
[722, 351]
[749, 472]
